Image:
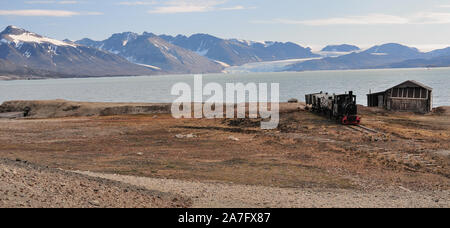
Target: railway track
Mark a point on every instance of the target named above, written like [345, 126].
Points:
[362, 129]
[409, 160]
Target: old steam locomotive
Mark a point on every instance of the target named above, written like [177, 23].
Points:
[340, 107]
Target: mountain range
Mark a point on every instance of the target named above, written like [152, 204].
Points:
[151, 50]
[235, 52]
[199, 53]
[27, 54]
[383, 56]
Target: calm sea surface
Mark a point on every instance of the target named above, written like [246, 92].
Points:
[292, 85]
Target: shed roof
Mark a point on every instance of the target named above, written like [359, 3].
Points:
[413, 82]
[409, 81]
[376, 94]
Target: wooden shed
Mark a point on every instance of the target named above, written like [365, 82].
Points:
[408, 96]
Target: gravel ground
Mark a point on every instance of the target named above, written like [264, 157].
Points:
[220, 195]
[29, 186]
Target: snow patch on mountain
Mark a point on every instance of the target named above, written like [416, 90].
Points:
[247, 42]
[19, 45]
[251, 43]
[379, 54]
[332, 53]
[269, 43]
[130, 36]
[222, 63]
[160, 46]
[149, 66]
[33, 38]
[202, 52]
[133, 60]
[27, 54]
[52, 49]
[4, 41]
[114, 52]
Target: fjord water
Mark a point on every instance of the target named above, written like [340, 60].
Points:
[292, 85]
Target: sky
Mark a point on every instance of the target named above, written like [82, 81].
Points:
[424, 24]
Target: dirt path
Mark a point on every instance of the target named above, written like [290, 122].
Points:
[220, 195]
[29, 186]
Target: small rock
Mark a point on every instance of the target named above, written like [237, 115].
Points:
[233, 138]
[188, 136]
[94, 203]
[140, 153]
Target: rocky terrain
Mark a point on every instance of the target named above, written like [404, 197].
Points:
[309, 161]
[223, 195]
[27, 185]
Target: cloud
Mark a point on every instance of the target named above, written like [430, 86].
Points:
[67, 2]
[193, 6]
[91, 13]
[233, 8]
[52, 2]
[45, 13]
[370, 19]
[431, 18]
[137, 3]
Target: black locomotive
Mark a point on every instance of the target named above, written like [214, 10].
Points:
[340, 107]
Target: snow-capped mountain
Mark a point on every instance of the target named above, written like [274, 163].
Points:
[151, 50]
[380, 56]
[238, 52]
[29, 54]
[341, 48]
[338, 50]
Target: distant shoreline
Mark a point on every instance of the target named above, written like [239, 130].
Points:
[21, 78]
[17, 78]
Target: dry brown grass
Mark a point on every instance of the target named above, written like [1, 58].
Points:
[306, 151]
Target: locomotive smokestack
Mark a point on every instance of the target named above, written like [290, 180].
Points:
[350, 93]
